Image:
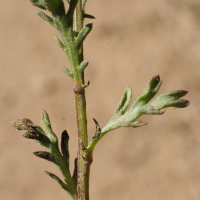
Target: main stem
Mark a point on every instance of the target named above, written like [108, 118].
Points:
[80, 103]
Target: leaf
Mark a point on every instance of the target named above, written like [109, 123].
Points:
[33, 134]
[124, 103]
[75, 174]
[83, 65]
[55, 6]
[38, 4]
[82, 35]
[47, 156]
[60, 44]
[170, 99]
[64, 147]
[53, 176]
[149, 92]
[45, 17]
[66, 71]
[97, 132]
[21, 124]
[46, 125]
[71, 10]
[38, 128]
[88, 16]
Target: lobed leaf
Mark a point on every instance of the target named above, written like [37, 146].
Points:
[38, 3]
[46, 125]
[124, 103]
[33, 134]
[170, 99]
[54, 6]
[75, 173]
[66, 71]
[38, 128]
[82, 35]
[64, 147]
[148, 93]
[72, 7]
[60, 44]
[53, 176]
[88, 16]
[45, 17]
[121, 118]
[21, 124]
[47, 156]
[83, 65]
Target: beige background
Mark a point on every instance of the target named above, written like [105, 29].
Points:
[131, 41]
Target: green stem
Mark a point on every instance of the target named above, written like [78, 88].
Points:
[80, 103]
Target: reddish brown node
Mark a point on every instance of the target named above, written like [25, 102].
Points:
[77, 89]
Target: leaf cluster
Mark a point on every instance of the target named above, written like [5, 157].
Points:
[142, 105]
[47, 138]
[71, 41]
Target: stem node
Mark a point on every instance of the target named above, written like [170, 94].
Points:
[78, 90]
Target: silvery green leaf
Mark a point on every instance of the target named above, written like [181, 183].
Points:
[46, 125]
[83, 65]
[148, 93]
[82, 35]
[124, 102]
[45, 17]
[170, 99]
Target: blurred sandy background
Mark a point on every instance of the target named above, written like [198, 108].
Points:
[131, 41]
